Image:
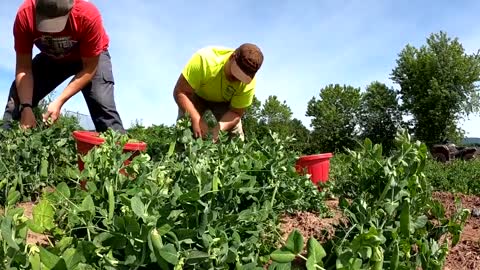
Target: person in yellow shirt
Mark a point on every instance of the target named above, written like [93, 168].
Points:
[221, 80]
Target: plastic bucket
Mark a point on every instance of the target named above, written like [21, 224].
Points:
[86, 140]
[318, 166]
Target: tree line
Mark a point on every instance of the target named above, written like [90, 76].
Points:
[437, 88]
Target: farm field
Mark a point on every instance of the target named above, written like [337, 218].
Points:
[192, 204]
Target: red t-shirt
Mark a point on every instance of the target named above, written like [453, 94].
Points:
[83, 36]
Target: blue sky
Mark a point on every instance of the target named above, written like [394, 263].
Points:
[307, 45]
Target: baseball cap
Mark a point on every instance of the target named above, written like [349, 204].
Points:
[247, 60]
[52, 15]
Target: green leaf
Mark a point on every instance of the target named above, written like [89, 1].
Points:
[50, 260]
[390, 207]
[169, 253]
[196, 255]
[171, 149]
[7, 235]
[282, 256]
[62, 188]
[64, 243]
[72, 258]
[44, 168]
[35, 261]
[420, 222]
[165, 228]
[280, 266]
[43, 216]
[310, 264]
[138, 207]
[88, 205]
[215, 183]
[12, 197]
[295, 242]
[315, 251]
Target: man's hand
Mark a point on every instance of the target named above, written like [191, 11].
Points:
[200, 128]
[80, 80]
[53, 111]
[215, 132]
[27, 118]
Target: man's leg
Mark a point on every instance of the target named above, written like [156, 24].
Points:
[47, 75]
[99, 96]
[219, 109]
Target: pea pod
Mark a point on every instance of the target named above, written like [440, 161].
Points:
[395, 257]
[405, 219]
[157, 244]
[111, 201]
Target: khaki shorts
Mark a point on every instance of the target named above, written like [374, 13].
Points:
[218, 109]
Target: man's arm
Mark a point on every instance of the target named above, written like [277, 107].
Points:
[81, 79]
[24, 77]
[231, 118]
[181, 94]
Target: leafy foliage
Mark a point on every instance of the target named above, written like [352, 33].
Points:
[208, 206]
[276, 116]
[380, 116]
[437, 86]
[157, 137]
[457, 176]
[33, 159]
[393, 222]
[334, 118]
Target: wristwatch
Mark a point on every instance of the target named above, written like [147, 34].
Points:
[24, 105]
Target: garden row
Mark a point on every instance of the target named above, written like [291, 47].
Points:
[192, 204]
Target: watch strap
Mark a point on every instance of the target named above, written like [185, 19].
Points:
[25, 105]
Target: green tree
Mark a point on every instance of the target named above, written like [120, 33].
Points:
[275, 115]
[380, 115]
[251, 117]
[437, 87]
[302, 136]
[334, 118]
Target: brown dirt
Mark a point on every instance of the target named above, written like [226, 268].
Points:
[309, 224]
[465, 255]
[32, 237]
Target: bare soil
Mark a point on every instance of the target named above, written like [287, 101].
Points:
[465, 255]
[32, 237]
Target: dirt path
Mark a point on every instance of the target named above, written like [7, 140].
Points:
[465, 255]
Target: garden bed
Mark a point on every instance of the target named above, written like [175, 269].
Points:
[465, 255]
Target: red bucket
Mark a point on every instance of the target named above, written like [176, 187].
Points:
[318, 166]
[86, 140]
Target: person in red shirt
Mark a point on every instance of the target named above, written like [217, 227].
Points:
[72, 42]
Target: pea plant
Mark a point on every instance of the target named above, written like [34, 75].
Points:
[393, 221]
[202, 205]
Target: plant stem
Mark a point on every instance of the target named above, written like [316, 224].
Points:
[316, 265]
[273, 196]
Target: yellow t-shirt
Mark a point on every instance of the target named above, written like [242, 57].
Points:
[205, 74]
